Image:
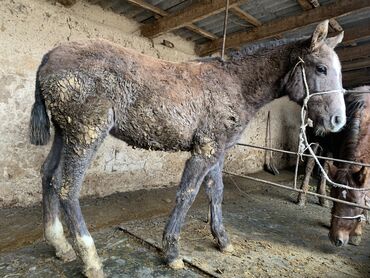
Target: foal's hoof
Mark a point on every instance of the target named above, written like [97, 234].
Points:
[66, 255]
[227, 249]
[94, 273]
[355, 240]
[176, 264]
[301, 203]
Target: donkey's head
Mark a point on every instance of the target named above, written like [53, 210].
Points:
[323, 73]
[346, 220]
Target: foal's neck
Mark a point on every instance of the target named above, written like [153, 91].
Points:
[261, 72]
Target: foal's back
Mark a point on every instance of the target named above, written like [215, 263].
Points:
[155, 104]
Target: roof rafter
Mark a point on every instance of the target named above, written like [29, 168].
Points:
[356, 52]
[358, 64]
[311, 4]
[156, 10]
[245, 16]
[276, 27]
[193, 13]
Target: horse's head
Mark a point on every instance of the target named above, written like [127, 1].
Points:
[346, 220]
[323, 73]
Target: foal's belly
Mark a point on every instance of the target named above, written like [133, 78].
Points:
[154, 131]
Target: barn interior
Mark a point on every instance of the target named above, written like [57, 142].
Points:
[128, 193]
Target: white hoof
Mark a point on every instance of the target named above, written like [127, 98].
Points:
[176, 264]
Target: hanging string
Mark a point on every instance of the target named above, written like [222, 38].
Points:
[225, 30]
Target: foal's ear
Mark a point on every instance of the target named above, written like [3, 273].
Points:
[361, 175]
[319, 35]
[334, 41]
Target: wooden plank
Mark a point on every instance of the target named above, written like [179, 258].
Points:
[201, 31]
[156, 10]
[191, 14]
[356, 52]
[147, 6]
[245, 16]
[356, 33]
[270, 29]
[305, 5]
[311, 4]
[356, 77]
[357, 64]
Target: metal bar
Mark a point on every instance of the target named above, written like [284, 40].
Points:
[306, 155]
[296, 190]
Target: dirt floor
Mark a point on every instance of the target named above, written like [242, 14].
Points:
[271, 235]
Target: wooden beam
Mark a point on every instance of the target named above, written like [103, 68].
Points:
[156, 10]
[355, 52]
[356, 77]
[276, 27]
[149, 7]
[357, 64]
[245, 16]
[191, 14]
[311, 4]
[357, 33]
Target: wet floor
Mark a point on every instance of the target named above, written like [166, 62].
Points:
[271, 236]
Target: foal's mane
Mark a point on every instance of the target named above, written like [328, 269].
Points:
[265, 46]
[256, 48]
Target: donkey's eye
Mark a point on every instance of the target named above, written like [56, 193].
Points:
[321, 69]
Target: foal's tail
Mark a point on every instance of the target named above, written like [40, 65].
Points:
[39, 123]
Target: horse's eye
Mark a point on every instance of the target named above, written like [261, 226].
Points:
[321, 69]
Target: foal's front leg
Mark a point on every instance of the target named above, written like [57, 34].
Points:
[214, 189]
[196, 167]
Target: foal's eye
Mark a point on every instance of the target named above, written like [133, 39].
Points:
[321, 69]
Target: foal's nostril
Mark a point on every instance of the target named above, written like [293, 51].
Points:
[338, 243]
[337, 121]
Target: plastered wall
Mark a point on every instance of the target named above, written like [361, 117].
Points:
[28, 29]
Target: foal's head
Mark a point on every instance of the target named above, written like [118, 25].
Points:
[346, 220]
[323, 73]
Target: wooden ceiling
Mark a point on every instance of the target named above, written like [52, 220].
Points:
[189, 19]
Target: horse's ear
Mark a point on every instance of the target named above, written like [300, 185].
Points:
[332, 169]
[319, 35]
[334, 41]
[360, 176]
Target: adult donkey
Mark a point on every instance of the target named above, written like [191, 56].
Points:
[96, 88]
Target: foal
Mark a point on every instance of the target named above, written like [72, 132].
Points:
[95, 88]
[347, 221]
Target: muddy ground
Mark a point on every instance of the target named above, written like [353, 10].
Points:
[271, 235]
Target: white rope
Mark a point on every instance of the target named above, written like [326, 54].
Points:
[303, 142]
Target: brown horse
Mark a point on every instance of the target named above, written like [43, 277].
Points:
[347, 221]
[96, 88]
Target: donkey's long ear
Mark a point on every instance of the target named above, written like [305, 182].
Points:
[334, 41]
[319, 35]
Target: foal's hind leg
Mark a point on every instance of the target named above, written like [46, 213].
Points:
[73, 172]
[53, 229]
[87, 128]
[214, 189]
[196, 167]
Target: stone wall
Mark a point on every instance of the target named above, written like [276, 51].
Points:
[28, 29]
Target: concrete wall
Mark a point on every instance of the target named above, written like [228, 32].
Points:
[29, 28]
